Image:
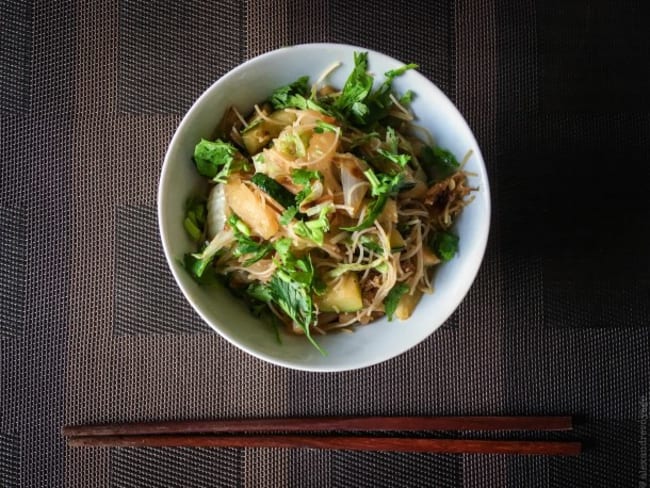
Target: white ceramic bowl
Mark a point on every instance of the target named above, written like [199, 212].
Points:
[251, 83]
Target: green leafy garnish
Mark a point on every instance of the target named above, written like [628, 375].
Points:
[392, 139]
[196, 263]
[382, 186]
[392, 154]
[216, 159]
[299, 101]
[195, 215]
[379, 264]
[392, 299]
[407, 97]
[315, 230]
[370, 243]
[245, 244]
[284, 96]
[445, 245]
[355, 91]
[438, 163]
[259, 292]
[290, 288]
[295, 95]
[399, 159]
[304, 176]
[283, 248]
[288, 215]
[379, 101]
[322, 126]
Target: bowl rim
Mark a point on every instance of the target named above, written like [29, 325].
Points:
[322, 368]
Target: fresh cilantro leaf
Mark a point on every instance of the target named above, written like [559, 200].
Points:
[394, 73]
[238, 225]
[195, 215]
[407, 97]
[322, 126]
[392, 299]
[215, 159]
[288, 215]
[245, 244]
[438, 163]
[259, 291]
[374, 211]
[299, 101]
[392, 140]
[282, 96]
[304, 176]
[283, 247]
[314, 230]
[379, 264]
[399, 159]
[294, 300]
[360, 111]
[392, 154]
[196, 263]
[379, 101]
[290, 289]
[382, 184]
[356, 89]
[370, 243]
[445, 245]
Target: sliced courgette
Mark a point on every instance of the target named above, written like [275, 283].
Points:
[407, 304]
[397, 242]
[344, 295]
[274, 189]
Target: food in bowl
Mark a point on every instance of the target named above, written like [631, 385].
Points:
[327, 207]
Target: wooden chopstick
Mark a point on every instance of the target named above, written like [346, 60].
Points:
[394, 444]
[326, 424]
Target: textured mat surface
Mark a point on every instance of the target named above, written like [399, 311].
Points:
[93, 328]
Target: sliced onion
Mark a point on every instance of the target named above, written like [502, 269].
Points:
[355, 186]
[216, 207]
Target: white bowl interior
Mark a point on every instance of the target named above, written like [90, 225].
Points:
[252, 82]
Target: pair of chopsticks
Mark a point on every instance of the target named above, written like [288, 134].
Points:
[300, 433]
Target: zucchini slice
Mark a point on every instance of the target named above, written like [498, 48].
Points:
[274, 189]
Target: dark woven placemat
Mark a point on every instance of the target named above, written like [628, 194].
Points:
[93, 328]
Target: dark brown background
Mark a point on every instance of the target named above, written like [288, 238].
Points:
[92, 327]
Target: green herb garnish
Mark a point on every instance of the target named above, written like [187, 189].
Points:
[245, 244]
[195, 215]
[217, 159]
[392, 299]
[438, 163]
[445, 245]
[314, 230]
[283, 97]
